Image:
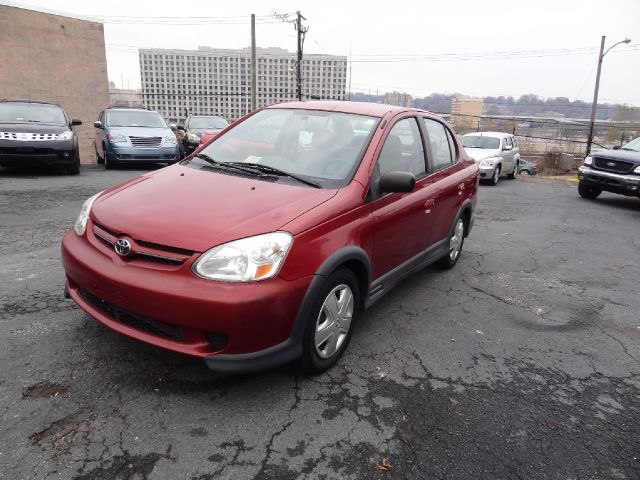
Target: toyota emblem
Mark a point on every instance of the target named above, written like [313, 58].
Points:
[123, 247]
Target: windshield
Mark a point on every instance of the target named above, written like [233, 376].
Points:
[207, 123]
[633, 145]
[479, 141]
[325, 147]
[132, 118]
[32, 112]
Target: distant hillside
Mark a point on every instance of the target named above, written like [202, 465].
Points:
[525, 105]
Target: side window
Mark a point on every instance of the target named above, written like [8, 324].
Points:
[509, 142]
[402, 150]
[440, 149]
[452, 146]
[515, 142]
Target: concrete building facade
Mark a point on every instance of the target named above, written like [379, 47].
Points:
[399, 99]
[58, 59]
[211, 81]
[466, 113]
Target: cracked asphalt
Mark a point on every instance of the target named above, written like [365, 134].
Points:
[523, 362]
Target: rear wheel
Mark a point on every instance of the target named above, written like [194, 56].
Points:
[330, 324]
[587, 191]
[513, 174]
[456, 240]
[525, 172]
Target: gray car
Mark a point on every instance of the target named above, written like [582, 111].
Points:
[496, 153]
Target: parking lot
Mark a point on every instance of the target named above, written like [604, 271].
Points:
[521, 362]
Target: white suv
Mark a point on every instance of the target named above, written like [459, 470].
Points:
[496, 154]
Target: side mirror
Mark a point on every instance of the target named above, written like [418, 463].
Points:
[75, 121]
[616, 147]
[97, 124]
[397, 182]
[507, 148]
[181, 128]
[172, 126]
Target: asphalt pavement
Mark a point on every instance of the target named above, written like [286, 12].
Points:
[522, 362]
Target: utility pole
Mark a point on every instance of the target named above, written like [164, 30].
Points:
[301, 32]
[253, 62]
[595, 97]
[595, 91]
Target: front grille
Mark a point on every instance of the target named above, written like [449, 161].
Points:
[146, 142]
[617, 166]
[28, 137]
[145, 251]
[154, 327]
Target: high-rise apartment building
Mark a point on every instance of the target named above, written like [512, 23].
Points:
[465, 113]
[211, 81]
[399, 99]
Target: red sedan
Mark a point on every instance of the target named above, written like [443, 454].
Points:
[265, 246]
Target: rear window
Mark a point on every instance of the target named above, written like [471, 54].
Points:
[32, 113]
[213, 123]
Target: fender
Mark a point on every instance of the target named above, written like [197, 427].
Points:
[466, 205]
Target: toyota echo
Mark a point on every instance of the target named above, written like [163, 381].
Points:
[265, 246]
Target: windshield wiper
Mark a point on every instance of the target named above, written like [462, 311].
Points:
[228, 165]
[275, 171]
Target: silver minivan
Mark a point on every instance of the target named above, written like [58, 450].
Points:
[496, 153]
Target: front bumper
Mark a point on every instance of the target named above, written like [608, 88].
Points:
[53, 152]
[486, 171]
[611, 182]
[128, 153]
[169, 307]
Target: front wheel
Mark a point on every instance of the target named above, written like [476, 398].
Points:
[330, 324]
[456, 240]
[587, 191]
[496, 176]
[74, 168]
[524, 172]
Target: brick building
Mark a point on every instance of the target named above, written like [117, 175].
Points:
[58, 59]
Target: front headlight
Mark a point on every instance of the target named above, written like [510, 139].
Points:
[117, 138]
[245, 260]
[66, 135]
[588, 160]
[81, 223]
[489, 162]
[192, 137]
[637, 170]
[170, 139]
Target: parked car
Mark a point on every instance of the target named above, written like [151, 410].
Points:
[252, 254]
[200, 129]
[496, 153]
[134, 135]
[37, 133]
[615, 171]
[527, 168]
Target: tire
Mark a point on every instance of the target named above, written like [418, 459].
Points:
[325, 339]
[514, 173]
[456, 241]
[587, 191]
[525, 172]
[496, 176]
[99, 160]
[108, 164]
[74, 168]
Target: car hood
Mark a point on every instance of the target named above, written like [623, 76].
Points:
[32, 127]
[618, 155]
[481, 153]
[194, 209]
[141, 131]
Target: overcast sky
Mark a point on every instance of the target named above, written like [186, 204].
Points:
[545, 47]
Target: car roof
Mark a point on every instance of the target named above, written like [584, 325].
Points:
[489, 134]
[41, 102]
[358, 108]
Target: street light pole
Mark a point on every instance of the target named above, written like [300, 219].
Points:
[594, 105]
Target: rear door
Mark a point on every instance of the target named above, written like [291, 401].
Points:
[448, 179]
[402, 221]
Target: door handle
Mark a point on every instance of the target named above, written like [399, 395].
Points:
[429, 204]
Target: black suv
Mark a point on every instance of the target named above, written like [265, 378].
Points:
[195, 126]
[37, 133]
[615, 171]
